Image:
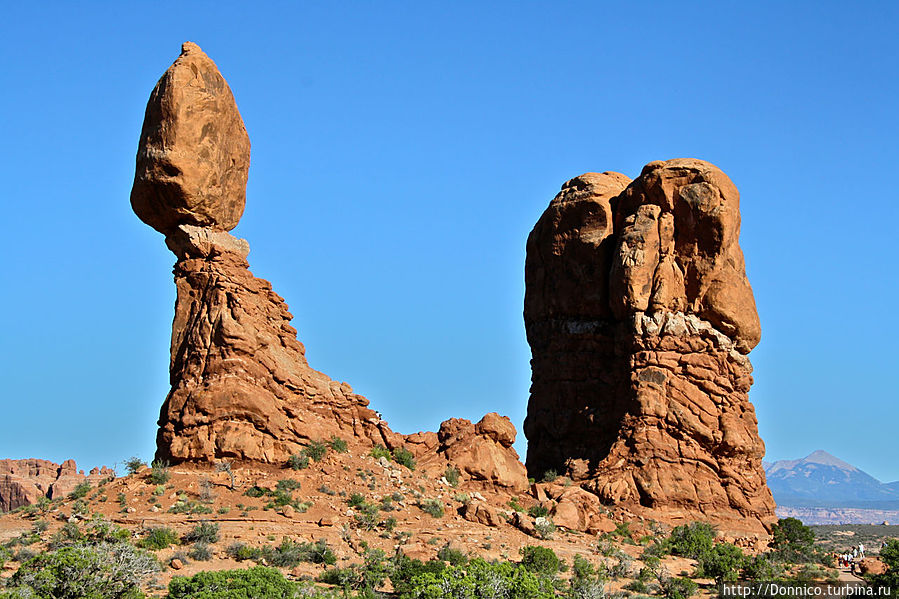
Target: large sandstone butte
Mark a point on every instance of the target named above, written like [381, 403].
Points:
[241, 386]
[640, 318]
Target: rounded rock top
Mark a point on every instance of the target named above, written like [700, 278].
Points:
[193, 156]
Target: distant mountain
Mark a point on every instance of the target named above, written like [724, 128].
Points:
[822, 480]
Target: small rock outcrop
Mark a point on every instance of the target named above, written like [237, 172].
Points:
[639, 316]
[24, 482]
[482, 453]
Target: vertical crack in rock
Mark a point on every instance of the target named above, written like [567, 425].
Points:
[640, 316]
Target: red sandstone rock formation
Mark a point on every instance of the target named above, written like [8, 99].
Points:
[482, 452]
[24, 482]
[241, 386]
[640, 316]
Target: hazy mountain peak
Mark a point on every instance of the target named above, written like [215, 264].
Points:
[820, 456]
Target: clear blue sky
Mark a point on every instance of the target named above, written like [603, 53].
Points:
[401, 154]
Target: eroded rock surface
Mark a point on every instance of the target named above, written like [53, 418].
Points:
[241, 386]
[639, 316]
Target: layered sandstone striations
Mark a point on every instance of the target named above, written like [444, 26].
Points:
[241, 386]
[25, 482]
[639, 316]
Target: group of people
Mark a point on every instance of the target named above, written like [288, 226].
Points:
[849, 559]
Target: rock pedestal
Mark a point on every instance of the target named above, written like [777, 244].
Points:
[640, 316]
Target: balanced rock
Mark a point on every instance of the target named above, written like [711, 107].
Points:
[240, 384]
[194, 152]
[639, 316]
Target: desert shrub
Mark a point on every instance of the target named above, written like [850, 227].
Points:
[541, 560]
[549, 476]
[355, 500]
[80, 491]
[586, 581]
[622, 568]
[513, 503]
[761, 567]
[158, 537]
[104, 571]
[366, 516]
[134, 464]
[379, 451]
[544, 527]
[793, 541]
[404, 569]
[364, 578]
[24, 554]
[434, 507]
[723, 563]
[186, 506]
[287, 484]
[451, 475]
[316, 450]
[204, 532]
[404, 457]
[200, 552]
[481, 579]
[287, 554]
[298, 462]
[692, 540]
[337, 444]
[241, 552]
[889, 554]
[678, 588]
[538, 511]
[224, 466]
[159, 472]
[256, 583]
[451, 555]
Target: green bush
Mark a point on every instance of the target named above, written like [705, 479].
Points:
[379, 451]
[200, 552]
[538, 511]
[761, 567]
[723, 563]
[793, 541]
[549, 476]
[540, 560]
[159, 472]
[692, 540]
[678, 588]
[241, 552]
[255, 583]
[434, 507]
[134, 464]
[204, 532]
[480, 579]
[404, 457]
[104, 571]
[337, 444]
[316, 450]
[80, 491]
[158, 537]
[365, 577]
[404, 569]
[451, 555]
[889, 554]
[298, 462]
[452, 476]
